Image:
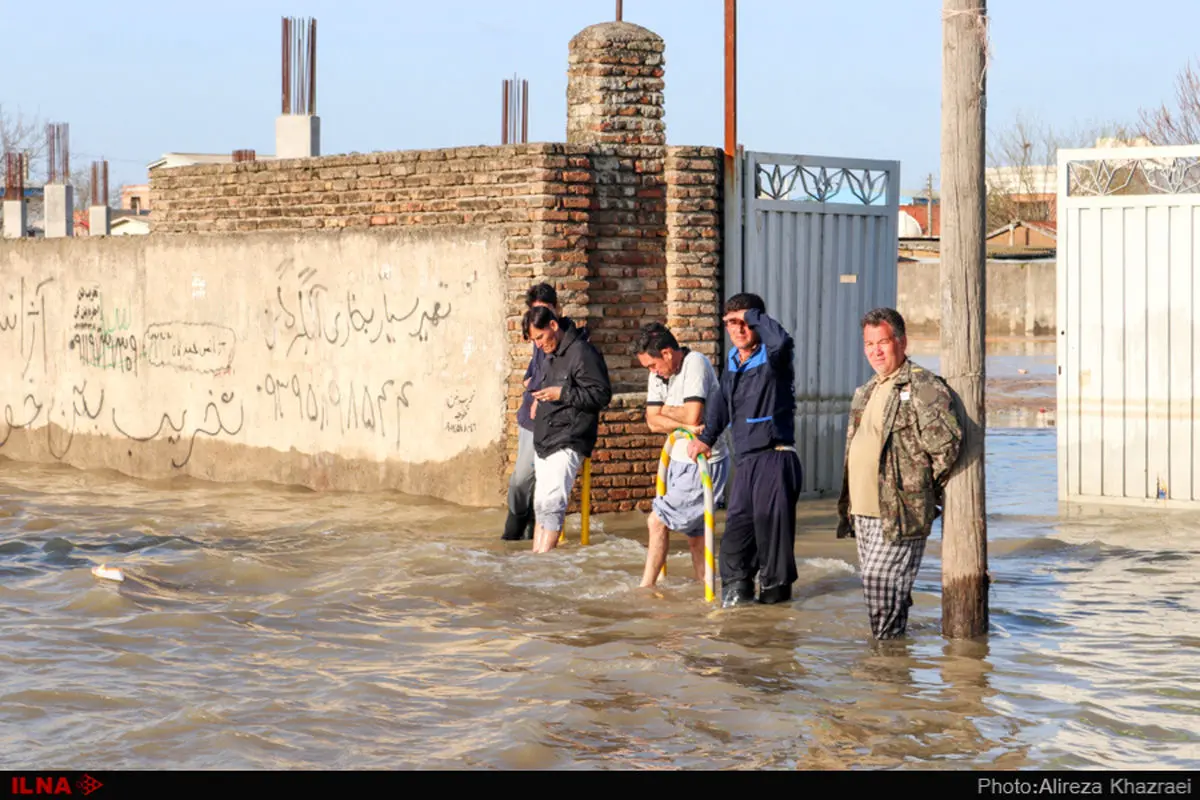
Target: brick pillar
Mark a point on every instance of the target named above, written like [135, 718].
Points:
[615, 109]
[615, 86]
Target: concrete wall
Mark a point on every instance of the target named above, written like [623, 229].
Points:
[1020, 297]
[351, 360]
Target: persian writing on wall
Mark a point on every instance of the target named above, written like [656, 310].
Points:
[383, 347]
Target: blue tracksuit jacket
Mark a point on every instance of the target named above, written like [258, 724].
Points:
[758, 397]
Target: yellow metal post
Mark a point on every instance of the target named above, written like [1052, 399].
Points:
[585, 507]
[586, 503]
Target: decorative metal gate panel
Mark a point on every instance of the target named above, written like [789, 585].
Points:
[818, 241]
[1128, 297]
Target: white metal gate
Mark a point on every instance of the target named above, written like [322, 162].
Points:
[817, 240]
[1128, 294]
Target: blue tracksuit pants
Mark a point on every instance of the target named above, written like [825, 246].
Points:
[760, 523]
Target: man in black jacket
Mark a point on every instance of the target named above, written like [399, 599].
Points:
[574, 390]
[519, 524]
[758, 402]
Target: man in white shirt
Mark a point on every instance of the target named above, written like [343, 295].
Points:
[681, 383]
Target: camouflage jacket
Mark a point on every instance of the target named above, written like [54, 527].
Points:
[922, 434]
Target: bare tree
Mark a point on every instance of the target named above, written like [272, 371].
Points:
[1022, 161]
[1180, 125]
[20, 133]
[23, 134]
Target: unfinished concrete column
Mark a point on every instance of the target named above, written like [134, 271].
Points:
[58, 196]
[615, 108]
[99, 221]
[14, 195]
[59, 209]
[99, 214]
[15, 222]
[297, 136]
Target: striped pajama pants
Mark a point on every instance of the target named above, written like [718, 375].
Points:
[889, 570]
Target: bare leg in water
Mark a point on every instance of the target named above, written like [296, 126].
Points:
[656, 552]
[696, 545]
[544, 540]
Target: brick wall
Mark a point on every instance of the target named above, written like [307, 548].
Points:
[626, 458]
[627, 263]
[694, 177]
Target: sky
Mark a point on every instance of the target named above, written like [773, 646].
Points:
[848, 78]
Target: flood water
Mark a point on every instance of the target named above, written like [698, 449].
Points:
[265, 628]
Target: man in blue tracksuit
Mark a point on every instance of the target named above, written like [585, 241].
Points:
[758, 402]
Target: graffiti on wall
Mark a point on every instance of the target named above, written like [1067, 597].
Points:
[388, 367]
[190, 346]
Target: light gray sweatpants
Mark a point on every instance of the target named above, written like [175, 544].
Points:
[520, 485]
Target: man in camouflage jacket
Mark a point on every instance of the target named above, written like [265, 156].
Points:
[903, 438]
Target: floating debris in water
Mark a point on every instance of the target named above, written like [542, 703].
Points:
[105, 572]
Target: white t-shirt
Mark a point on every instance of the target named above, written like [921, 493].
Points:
[696, 380]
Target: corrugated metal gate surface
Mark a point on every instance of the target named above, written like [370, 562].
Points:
[819, 243]
[1128, 295]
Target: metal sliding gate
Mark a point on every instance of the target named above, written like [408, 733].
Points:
[816, 238]
[1128, 300]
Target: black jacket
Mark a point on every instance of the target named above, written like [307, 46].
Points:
[572, 421]
[758, 397]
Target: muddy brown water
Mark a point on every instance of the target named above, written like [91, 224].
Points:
[267, 628]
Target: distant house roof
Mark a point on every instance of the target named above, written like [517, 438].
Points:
[1046, 228]
[169, 160]
[129, 224]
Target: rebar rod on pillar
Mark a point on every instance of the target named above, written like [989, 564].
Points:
[514, 111]
[504, 111]
[99, 188]
[14, 176]
[524, 112]
[312, 67]
[285, 64]
[298, 65]
[58, 152]
[51, 154]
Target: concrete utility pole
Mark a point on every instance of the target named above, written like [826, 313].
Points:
[964, 524]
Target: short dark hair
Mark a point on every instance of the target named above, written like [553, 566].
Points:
[541, 293]
[538, 317]
[878, 316]
[655, 338]
[744, 301]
